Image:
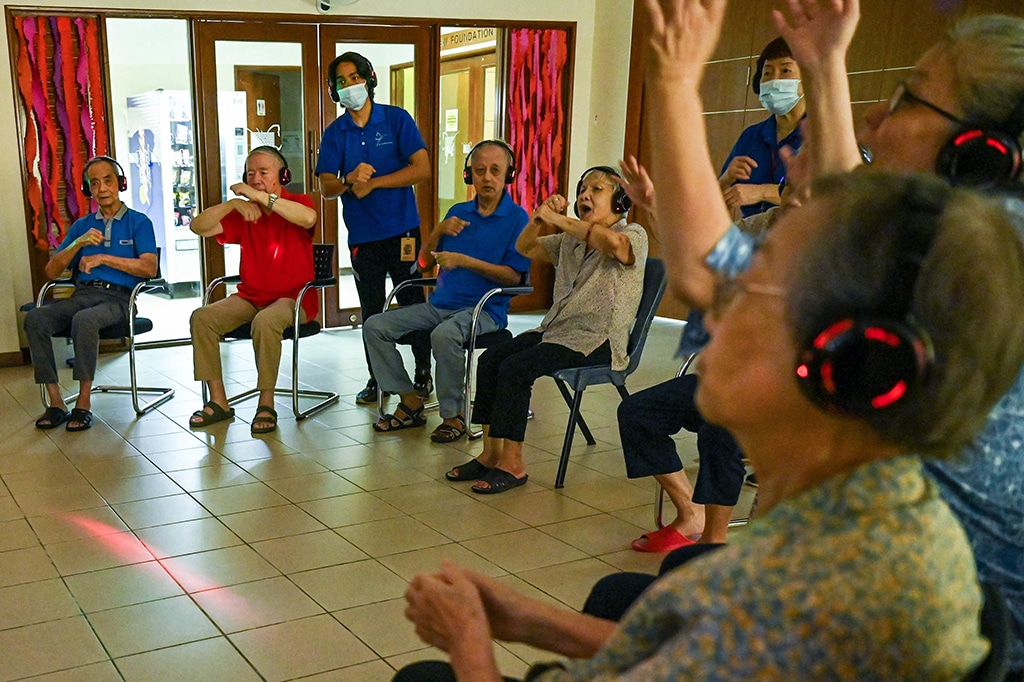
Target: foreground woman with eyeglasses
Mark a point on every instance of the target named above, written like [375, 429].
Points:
[855, 569]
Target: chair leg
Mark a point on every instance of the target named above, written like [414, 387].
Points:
[569, 401]
[659, 508]
[324, 398]
[162, 393]
[570, 429]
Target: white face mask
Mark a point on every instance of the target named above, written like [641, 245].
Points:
[353, 97]
[779, 96]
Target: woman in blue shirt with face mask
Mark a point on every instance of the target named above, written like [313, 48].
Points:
[751, 175]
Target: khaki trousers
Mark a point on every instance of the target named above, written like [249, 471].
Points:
[209, 323]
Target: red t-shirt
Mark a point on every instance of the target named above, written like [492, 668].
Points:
[277, 256]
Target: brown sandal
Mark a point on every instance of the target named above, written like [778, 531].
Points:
[447, 433]
[265, 415]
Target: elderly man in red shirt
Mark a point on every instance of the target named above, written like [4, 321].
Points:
[275, 230]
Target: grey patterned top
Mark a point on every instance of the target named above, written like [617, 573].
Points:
[595, 297]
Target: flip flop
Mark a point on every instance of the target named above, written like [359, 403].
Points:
[472, 470]
[81, 417]
[267, 415]
[392, 422]
[447, 433]
[498, 481]
[663, 540]
[217, 414]
[52, 418]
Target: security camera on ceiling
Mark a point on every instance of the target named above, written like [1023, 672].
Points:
[324, 6]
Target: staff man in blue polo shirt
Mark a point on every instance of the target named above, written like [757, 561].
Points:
[371, 156]
[475, 247]
[112, 250]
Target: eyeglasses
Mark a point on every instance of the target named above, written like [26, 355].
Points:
[902, 92]
[728, 290]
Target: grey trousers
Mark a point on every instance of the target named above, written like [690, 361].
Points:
[86, 311]
[450, 330]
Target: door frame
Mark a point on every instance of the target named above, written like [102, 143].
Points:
[205, 34]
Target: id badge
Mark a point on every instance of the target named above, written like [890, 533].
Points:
[408, 249]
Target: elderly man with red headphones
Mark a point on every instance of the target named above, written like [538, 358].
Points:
[111, 250]
[275, 230]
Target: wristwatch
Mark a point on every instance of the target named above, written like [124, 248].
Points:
[271, 198]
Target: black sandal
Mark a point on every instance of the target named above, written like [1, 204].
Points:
[472, 470]
[447, 433]
[266, 415]
[52, 418]
[392, 422]
[201, 418]
[79, 420]
[498, 481]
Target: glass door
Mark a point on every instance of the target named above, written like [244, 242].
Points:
[402, 57]
[258, 85]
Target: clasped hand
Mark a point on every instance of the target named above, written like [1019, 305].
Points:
[249, 208]
[551, 210]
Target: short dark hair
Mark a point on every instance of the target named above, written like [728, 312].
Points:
[776, 49]
[363, 67]
[967, 295]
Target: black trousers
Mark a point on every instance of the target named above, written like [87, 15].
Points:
[431, 671]
[612, 595]
[372, 264]
[505, 376]
[647, 421]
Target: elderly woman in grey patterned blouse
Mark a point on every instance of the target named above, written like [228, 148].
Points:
[599, 264]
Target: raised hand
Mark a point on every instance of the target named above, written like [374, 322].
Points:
[636, 183]
[249, 210]
[817, 31]
[683, 36]
[452, 226]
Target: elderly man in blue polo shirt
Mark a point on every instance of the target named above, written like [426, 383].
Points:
[475, 247]
[371, 156]
[112, 250]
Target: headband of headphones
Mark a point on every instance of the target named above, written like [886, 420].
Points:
[621, 203]
[510, 173]
[861, 363]
[284, 175]
[984, 155]
[122, 180]
[363, 67]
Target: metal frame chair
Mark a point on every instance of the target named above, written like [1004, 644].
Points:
[475, 341]
[323, 268]
[579, 378]
[122, 331]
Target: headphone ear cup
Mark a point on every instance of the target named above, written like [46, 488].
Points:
[467, 174]
[510, 175]
[285, 175]
[621, 202]
[979, 158]
[86, 190]
[122, 183]
[859, 367]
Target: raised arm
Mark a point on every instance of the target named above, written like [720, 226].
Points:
[416, 172]
[292, 211]
[692, 215]
[819, 33]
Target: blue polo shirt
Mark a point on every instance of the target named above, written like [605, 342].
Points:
[387, 142]
[759, 143]
[131, 235]
[490, 238]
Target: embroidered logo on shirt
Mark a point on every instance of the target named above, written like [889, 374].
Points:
[384, 139]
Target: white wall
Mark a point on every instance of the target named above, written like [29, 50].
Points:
[603, 30]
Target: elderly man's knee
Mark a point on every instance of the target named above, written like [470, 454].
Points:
[36, 321]
[201, 317]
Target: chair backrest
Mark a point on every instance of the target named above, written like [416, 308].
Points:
[654, 289]
[323, 261]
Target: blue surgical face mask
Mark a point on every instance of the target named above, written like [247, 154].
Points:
[779, 96]
[353, 97]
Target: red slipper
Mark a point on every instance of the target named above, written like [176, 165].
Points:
[663, 540]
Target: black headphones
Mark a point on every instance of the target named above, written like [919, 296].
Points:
[363, 67]
[621, 203]
[510, 173]
[983, 155]
[860, 364]
[122, 180]
[284, 175]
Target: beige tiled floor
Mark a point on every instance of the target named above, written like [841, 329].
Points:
[141, 550]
